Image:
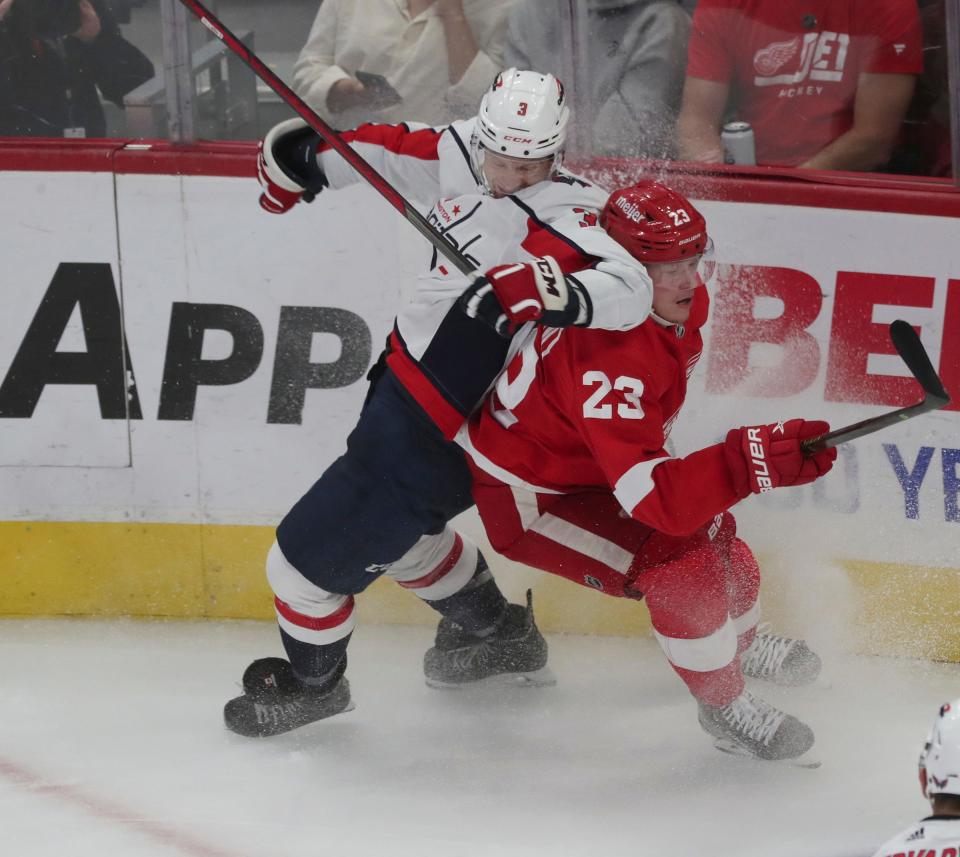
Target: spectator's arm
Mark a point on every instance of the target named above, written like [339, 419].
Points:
[639, 116]
[880, 105]
[117, 66]
[698, 127]
[461, 44]
[515, 54]
[487, 37]
[315, 70]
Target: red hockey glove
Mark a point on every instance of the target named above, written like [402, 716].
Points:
[762, 458]
[287, 166]
[509, 295]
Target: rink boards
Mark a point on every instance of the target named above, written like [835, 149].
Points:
[177, 366]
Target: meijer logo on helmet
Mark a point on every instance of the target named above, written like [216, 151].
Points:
[629, 209]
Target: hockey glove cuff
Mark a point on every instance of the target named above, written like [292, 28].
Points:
[508, 296]
[762, 458]
[287, 166]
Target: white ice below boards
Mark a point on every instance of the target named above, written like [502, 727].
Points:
[111, 743]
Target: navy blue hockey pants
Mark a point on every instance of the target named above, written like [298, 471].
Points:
[400, 479]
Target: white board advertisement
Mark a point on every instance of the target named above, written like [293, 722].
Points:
[246, 338]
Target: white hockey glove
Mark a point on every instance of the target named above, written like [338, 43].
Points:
[287, 166]
[507, 296]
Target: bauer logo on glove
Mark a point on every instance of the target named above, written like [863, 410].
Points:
[761, 458]
[758, 458]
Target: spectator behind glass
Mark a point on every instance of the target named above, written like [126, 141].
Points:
[926, 145]
[636, 56]
[438, 55]
[54, 56]
[824, 83]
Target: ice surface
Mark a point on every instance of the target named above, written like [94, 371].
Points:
[111, 743]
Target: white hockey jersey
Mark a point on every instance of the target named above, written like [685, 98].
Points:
[444, 359]
[936, 836]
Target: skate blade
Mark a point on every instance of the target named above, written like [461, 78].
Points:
[543, 677]
[724, 745]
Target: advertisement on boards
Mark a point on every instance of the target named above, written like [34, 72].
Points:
[174, 354]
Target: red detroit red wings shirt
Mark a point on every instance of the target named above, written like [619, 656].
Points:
[793, 65]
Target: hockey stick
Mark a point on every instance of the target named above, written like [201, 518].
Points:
[912, 352]
[337, 143]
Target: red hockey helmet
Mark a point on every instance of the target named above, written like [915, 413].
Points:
[654, 223]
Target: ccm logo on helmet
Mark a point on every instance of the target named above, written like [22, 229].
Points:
[629, 209]
[760, 468]
[518, 139]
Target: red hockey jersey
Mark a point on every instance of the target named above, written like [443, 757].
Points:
[579, 410]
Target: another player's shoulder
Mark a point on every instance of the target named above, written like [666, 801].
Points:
[456, 136]
[566, 204]
[939, 837]
[565, 192]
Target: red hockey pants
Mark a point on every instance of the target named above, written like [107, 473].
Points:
[701, 590]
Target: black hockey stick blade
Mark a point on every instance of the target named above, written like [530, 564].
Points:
[912, 352]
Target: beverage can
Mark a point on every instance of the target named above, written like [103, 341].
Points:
[738, 144]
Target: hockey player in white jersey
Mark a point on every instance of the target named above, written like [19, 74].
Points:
[497, 191]
[937, 835]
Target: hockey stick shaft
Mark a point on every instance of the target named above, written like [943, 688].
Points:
[912, 352]
[337, 143]
[869, 426]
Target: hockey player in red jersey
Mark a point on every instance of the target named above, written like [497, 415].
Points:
[495, 188]
[937, 835]
[572, 475]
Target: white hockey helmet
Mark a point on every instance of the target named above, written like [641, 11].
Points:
[523, 115]
[940, 759]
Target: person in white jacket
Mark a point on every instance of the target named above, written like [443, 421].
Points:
[937, 835]
[624, 60]
[437, 56]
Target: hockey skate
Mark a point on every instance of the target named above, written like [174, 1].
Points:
[749, 726]
[781, 660]
[275, 701]
[515, 651]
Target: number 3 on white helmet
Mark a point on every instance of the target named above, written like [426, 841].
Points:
[523, 115]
